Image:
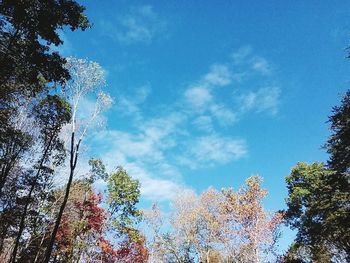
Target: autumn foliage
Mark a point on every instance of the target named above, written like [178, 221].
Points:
[85, 228]
[216, 226]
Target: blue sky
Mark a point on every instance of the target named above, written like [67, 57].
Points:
[208, 93]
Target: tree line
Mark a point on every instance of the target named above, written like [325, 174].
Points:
[43, 219]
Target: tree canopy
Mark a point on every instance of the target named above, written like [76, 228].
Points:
[319, 195]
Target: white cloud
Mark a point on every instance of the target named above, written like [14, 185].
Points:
[127, 106]
[203, 123]
[141, 25]
[262, 100]
[215, 148]
[146, 144]
[135, 146]
[245, 56]
[143, 93]
[242, 54]
[153, 188]
[219, 75]
[143, 155]
[198, 96]
[131, 105]
[223, 114]
[261, 65]
[162, 144]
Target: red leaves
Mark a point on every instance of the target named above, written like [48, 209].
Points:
[63, 242]
[95, 215]
[128, 252]
[83, 224]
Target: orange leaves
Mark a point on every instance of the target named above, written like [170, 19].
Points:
[106, 247]
[230, 224]
[128, 251]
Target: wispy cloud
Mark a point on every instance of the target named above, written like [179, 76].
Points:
[261, 65]
[147, 143]
[223, 114]
[130, 105]
[241, 54]
[246, 56]
[143, 154]
[192, 131]
[203, 123]
[198, 96]
[140, 25]
[213, 149]
[219, 75]
[153, 187]
[263, 100]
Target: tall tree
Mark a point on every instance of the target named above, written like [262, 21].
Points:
[90, 232]
[338, 143]
[87, 78]
[308, 206]
[28, 29]
[52, 113]
[338, 146]
[319, 195]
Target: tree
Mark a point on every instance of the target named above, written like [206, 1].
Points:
[26, 186]
[339, 142]
[87, 78]
[27, 30]
[319, 195]
[123, 195]
[252, 231]
[154, 221]
[132, 251]
[52, 113]
[87, 231]
[307, 207]
[216, 226]
[82, 224]
[338, 147]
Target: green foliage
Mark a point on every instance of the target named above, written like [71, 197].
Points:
[338, 145]
[319, 195]
[97, 170]
[31, 117]
[27, 29]
[123, 195]
[307, 202]
[299, 253]
[52, 113]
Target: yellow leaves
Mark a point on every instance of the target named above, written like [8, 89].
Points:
[232, 223]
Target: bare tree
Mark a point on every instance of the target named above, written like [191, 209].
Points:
[86, 79]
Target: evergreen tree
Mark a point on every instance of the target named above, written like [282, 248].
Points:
[319, 195]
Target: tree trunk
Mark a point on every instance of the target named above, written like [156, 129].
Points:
[24, 214]
[73, 163]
